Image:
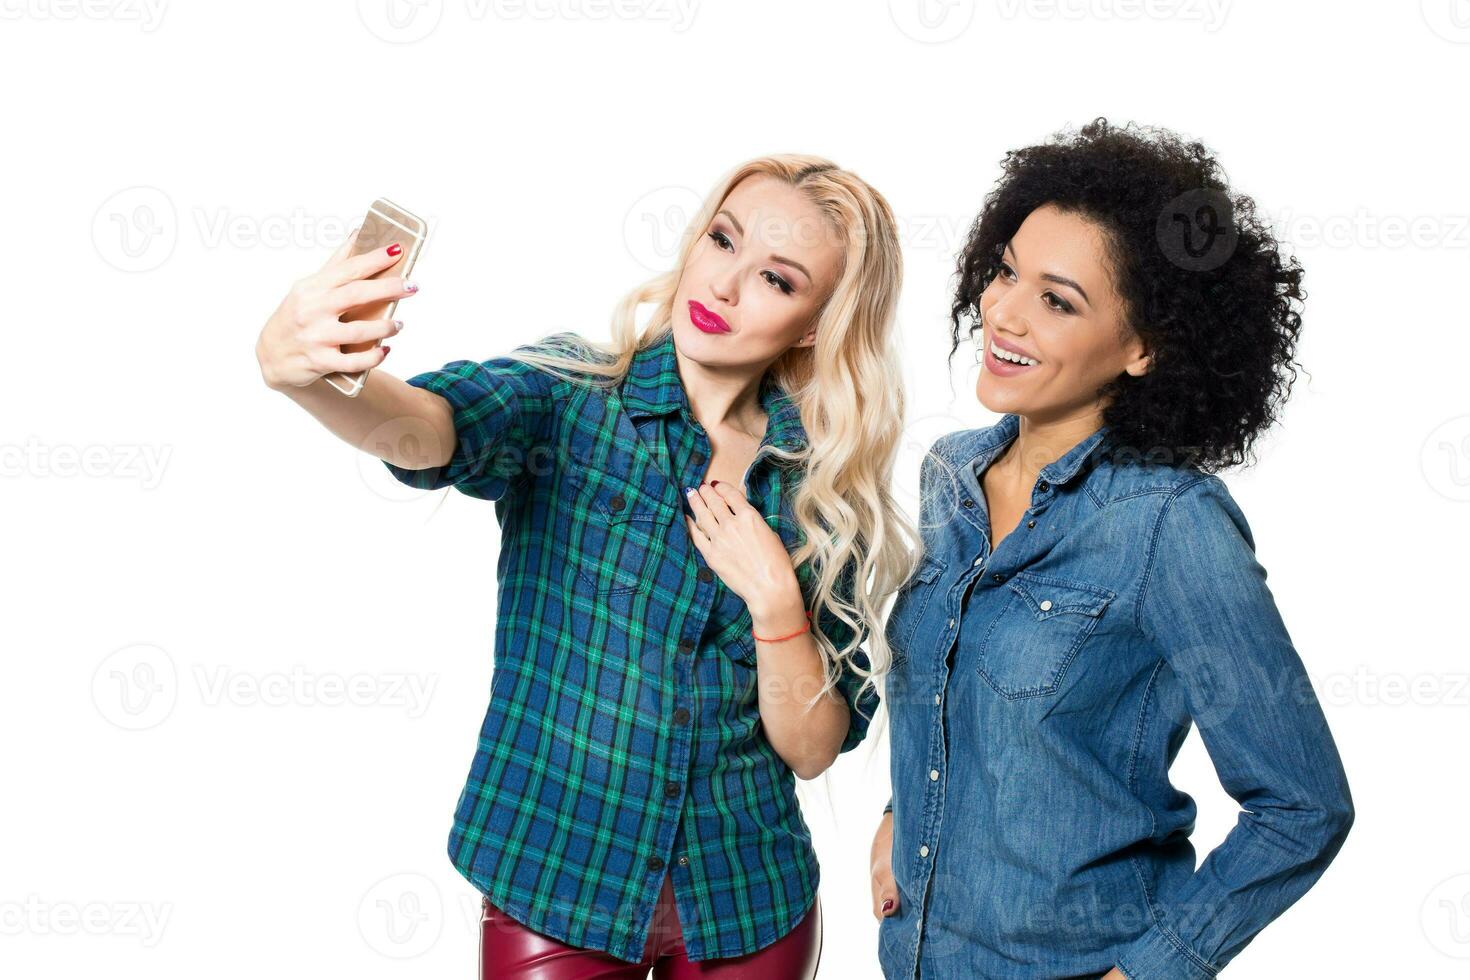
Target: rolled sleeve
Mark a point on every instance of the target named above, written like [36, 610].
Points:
[502, 408]
[1208, 609]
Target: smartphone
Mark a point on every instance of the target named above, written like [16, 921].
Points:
[385, 224]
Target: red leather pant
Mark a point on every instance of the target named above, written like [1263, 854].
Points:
[510, 951]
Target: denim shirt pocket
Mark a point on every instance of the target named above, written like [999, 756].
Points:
[1042, 624]
[908, 609]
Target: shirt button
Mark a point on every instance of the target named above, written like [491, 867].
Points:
[686, 646]
[933, 774]
[1030, 523]
[683, 860]
[617, 503]
[681, 716]
[951, 624]
[923, 851]
[671, 789]
[655, 864]
[936, 699]
[999, 576]
[705, 575]
[1045, 604]
[1043, 486]
[968, 502]
[979, 562]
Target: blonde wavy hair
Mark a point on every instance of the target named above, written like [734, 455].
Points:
[849, 390]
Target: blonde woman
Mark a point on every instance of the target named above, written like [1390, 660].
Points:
[696, 530]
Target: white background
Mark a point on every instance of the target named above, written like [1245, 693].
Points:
[195, 568]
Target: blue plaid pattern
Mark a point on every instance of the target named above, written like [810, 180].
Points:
[622, 740]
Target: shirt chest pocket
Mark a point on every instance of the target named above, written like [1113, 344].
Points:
[615, 534]
[1041, 627]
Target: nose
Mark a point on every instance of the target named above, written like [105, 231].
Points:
[725, 287]
[1004, 315]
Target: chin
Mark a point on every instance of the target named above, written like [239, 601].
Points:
[996, 398]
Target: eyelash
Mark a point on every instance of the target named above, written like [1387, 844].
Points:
[1062, 306]
[786, 288]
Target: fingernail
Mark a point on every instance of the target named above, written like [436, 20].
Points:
[397, 325]
[887, 905]
[411, 287]
[395, 249]
[386, 349]
[688, 489]
[714, 483]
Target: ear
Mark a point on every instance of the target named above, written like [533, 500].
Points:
[1140, 365]
[808, 339]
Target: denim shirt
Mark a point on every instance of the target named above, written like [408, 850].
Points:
[1041, 691]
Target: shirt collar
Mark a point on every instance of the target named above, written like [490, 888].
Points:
[652, 387]
[989, 441]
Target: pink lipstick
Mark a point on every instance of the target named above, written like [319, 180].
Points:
[705, 320]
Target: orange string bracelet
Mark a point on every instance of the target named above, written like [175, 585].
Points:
[778, 639]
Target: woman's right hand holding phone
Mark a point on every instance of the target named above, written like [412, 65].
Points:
[302, 340]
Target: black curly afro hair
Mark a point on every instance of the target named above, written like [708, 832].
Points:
[1203, 281]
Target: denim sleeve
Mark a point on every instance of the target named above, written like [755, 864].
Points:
[502, 408]
[1206, 606]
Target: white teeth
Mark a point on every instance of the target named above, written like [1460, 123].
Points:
[1006, 355]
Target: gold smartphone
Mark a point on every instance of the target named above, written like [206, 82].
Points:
[385, 223]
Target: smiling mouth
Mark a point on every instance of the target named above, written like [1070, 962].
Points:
[1006, 357]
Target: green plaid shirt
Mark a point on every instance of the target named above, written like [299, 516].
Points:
[623, 739]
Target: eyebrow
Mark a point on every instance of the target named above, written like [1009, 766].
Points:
[774, 257]
[1051, 276]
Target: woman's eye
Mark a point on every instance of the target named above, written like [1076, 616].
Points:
[1005, 271]
[1056, 303]
[778, 282]
[720, 239]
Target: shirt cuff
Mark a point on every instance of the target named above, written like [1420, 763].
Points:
[1159, 955]
[889, 807]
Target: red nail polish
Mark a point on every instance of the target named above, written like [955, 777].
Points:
[395, 249]
[714, 483]
[888, 905]
[386, 349]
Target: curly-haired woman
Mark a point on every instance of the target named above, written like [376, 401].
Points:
[695, 525]
[1089, 590]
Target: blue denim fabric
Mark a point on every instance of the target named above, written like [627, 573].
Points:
[1039, 695]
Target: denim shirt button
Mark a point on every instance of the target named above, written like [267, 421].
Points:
[979, 562]
[923, 850]
[936, 699]
[933, 774]
[1043, 486]
[999, 576]
[1045, 604]
[951, 624]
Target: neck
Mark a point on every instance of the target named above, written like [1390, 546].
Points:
[724, 399]
[1039, 443]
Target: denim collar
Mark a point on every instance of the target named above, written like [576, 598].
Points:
[985, 444]
[653, 387]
